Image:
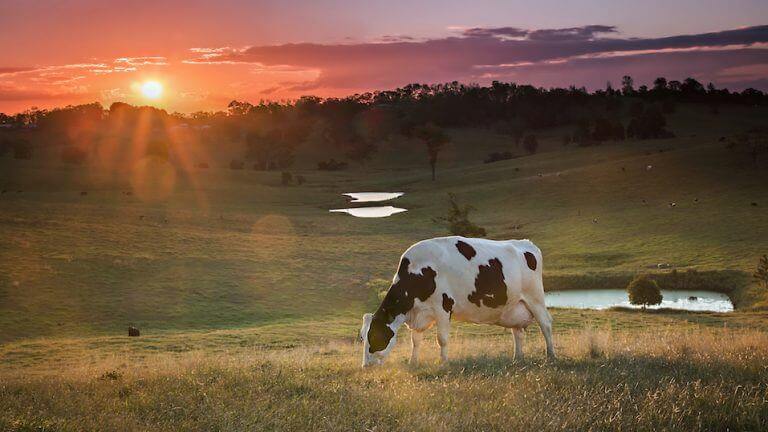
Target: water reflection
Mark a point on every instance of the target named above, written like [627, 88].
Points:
[370, 212]
[373, 196]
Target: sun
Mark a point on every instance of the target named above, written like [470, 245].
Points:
[151, 89]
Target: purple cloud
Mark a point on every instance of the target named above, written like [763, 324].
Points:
[572, 33]
[511, 32]
[483, 54]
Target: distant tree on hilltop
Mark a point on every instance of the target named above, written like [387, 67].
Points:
[434, 139]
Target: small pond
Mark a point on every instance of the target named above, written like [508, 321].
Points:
[605, 298]
[370, 212]
[372, 196]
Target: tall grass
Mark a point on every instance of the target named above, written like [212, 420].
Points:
[698, 379]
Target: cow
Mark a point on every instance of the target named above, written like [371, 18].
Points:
[466, 279]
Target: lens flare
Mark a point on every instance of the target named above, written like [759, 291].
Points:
[152, 89]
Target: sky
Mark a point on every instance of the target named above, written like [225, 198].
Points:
[205, 54]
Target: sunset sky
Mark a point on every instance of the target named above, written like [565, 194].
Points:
[205, 53]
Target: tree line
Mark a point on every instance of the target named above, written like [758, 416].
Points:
[357, 124]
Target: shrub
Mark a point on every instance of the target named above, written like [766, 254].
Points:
[761, 274]
[644, 291]
[650, 124]
[236, 164]
[457, 221]
[203, 165]
[300, 180]
[73, 155]
[498, 156]
[331, 165]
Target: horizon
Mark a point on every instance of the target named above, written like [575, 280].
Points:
[291, 101]
[202, 56]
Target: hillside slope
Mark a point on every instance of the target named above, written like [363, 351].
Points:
[222, 248]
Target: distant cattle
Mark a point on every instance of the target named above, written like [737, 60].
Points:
[133, 331]
[467, 279]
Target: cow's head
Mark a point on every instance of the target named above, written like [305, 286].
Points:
[378, 340]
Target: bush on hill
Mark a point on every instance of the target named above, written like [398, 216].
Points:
[498, 156]
[457, 220]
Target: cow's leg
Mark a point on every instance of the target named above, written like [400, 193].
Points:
[540, 312]
[443, 331]
[416, 338]
[519, 335]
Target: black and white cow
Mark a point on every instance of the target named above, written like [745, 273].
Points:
[467, 279]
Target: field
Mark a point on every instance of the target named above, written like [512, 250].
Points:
[248, 293]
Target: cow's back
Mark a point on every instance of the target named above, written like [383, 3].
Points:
[478, 278]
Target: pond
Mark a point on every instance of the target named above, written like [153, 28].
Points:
[370, 212]
[605, 298]
[372, 196]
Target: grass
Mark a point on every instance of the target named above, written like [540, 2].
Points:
[670, 379]
[249, 295]
[233, 248]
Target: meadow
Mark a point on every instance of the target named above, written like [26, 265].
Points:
[249, 294]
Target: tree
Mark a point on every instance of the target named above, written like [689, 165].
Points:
[644, 291]
[434, 138]
[360, 150]
[627, 85]
[271, 149]
[761, 274]
[457, 221]
[531, 144]
[650, 124]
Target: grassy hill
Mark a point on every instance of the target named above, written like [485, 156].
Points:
[217, 248]
[249, 294]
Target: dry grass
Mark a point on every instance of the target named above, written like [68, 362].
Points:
[696, 379]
